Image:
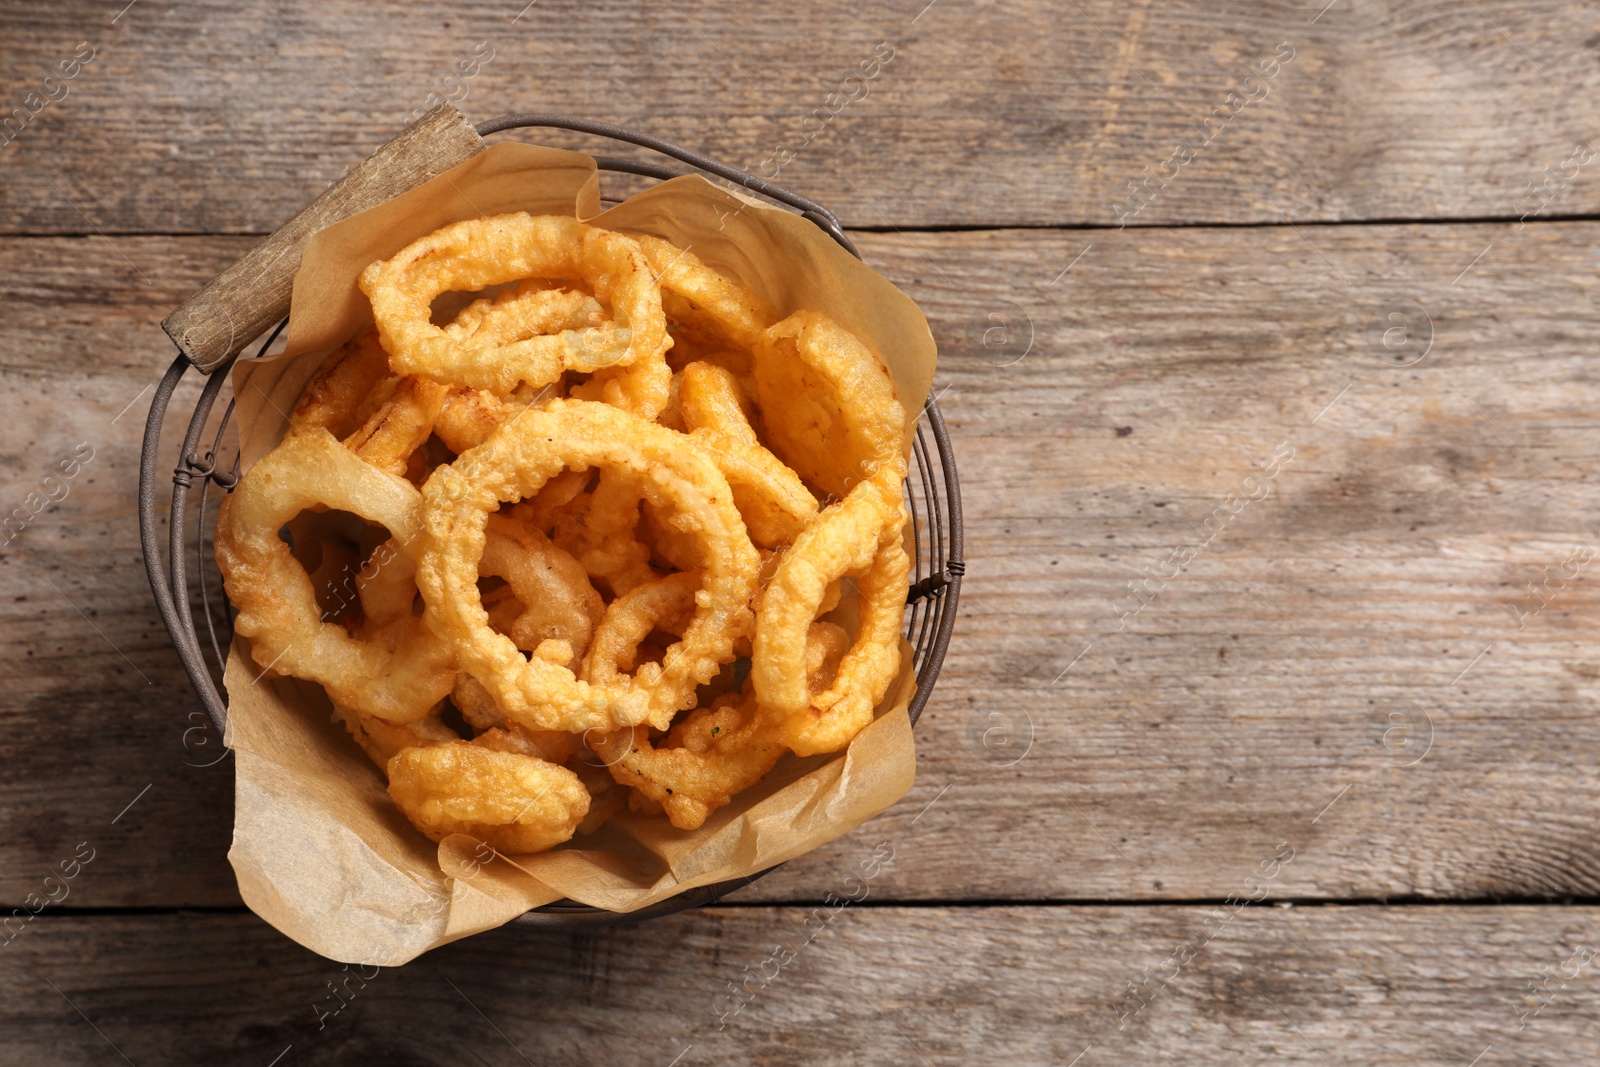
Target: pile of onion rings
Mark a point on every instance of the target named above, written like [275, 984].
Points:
[612, 536]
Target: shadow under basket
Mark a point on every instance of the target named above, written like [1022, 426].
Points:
[932, 492]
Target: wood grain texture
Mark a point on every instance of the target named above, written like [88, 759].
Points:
[1370, 985]
[216, 117]
[252, 295]
[1284, 688]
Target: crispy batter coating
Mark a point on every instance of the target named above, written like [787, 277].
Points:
[515, 802]
[397, 672]
[836, 715]
[704, 305]
[331, 399]
[717, 751]
[665, 604]
[775, 504]
[552, 746]
[599, 532]
[532, 309]
[383, 741]
[477, 253]
[402, 422]
[827, 401]
[704, 760]
[861, 535]
[514, 463]
[557, 601]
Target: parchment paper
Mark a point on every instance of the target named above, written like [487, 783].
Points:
[319, 849]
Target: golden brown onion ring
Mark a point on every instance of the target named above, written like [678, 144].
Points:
[332, 398]
[827, 401]
[775, 504]
[399, 671]
[859, 535]
[599, 533]
[477, 253]
[717, 751]
[514, 463]
[558, 603]
[383, 741]
[662, 604]
[705, 304]
[517, 803]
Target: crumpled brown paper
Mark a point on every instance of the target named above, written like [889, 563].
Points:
[319, 849]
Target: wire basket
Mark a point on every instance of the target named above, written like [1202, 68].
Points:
[932, 491]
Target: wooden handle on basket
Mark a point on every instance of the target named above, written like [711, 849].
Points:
[244, 301]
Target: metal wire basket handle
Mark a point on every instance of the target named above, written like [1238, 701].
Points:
[223, 317]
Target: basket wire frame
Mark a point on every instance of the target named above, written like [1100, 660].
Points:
[933, 495]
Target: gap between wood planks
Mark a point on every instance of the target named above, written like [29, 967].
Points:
[1040, 227]
[977, 903]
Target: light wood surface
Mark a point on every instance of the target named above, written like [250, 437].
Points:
[216, 117]
[1404, 987]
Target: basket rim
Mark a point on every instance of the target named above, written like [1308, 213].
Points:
[939, 590]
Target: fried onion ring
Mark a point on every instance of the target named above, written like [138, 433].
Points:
[519, 458]
[867, 669]
[482, 252]
[775, 504]
[702, 303]
[642, 388]
[383, 741]
[381, 417]
[559, 498]
[399, 671]
[606, 797]
[558, 603]
[515, 802]
[859, 535]
[334, 395]
[599, 532]
[552, 746]
[386, 585]
[716, 751]
[529, 310]
[827, 401]
[402, 422]
[664, 604]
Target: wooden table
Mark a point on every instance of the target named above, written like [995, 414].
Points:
[1267, 734]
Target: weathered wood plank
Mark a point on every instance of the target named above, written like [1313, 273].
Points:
[1370, 985]
[218, 117]
[1281, 689]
